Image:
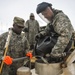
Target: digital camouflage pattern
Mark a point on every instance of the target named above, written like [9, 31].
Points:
[18, 47]
[33, 29]
[63, 27]
[18, 21]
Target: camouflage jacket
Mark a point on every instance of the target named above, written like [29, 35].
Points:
[63, 27]
[33, 29]
[18, 46]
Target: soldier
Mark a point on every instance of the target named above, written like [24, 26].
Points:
[18, 46]
[31, 29]
[59, 26]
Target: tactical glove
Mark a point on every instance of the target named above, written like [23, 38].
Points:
[29, 54]
[56, 57]
[38, 36]
[7, 60]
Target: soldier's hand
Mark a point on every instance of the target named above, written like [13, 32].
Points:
[7, 60]
[29, 54]
[55, 55]
[33, 59]
[38, 36]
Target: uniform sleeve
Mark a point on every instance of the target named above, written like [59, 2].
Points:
[64, 28]
[26, 26]
[2, 44]
[38, 26]
[26, 45]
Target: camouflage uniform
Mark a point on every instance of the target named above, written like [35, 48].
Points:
[63, 27]
[18, 47]
[33, 29]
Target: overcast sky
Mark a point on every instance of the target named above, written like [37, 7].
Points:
[22, 8]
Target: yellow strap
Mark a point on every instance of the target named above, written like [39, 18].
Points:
[73, 47]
